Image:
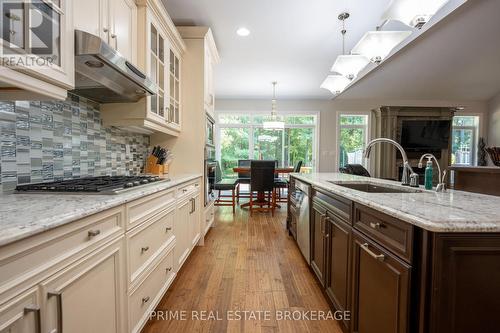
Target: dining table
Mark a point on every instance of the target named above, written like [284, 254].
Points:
[261, 196]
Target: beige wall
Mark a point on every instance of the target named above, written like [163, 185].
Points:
[494, 122]
[328, 116]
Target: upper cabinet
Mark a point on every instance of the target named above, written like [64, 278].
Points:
[37, 49]
[160, 57]
[115, 21]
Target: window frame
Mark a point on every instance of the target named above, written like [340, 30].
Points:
[476, 133]
[339, 127]
[252, 125]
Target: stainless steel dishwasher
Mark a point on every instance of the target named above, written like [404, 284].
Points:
[302, 193]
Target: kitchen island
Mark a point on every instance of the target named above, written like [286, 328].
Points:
[403, 259]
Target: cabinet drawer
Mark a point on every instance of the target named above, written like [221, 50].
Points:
[21, 314]
[145, 298]
[188, 190]
[335, 204]
[389, 232]
[21, 260]
[148, 240]
[140, 210]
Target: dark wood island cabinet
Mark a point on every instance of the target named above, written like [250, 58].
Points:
[395, 277]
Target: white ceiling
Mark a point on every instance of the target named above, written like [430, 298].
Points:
[294, 42]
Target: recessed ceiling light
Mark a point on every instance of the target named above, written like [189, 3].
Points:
[243, 32]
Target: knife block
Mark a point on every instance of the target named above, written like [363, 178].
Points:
[155, 169]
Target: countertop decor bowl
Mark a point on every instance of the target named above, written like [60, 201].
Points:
[494, 154]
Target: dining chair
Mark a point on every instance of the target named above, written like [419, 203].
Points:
[282, 183]
[243, 179]
[223, 185]
[262, 181]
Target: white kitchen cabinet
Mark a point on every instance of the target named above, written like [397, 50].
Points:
[160, 49]
[88, 295]
[182, 231]
[38, 63]
[115, 21]
[194, 220]
[22, 314]
[92, 16]
[123, 34]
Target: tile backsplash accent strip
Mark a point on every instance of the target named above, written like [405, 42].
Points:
[47, 141]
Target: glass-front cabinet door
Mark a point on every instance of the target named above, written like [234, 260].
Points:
[175, 89]
[35, 37]
[158, 66]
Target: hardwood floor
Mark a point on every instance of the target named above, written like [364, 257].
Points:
[247, 264]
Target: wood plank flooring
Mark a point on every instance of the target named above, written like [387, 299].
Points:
[247, 264]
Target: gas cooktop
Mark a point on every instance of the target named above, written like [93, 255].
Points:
[89, 185]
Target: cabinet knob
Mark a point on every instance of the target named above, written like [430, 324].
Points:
[145, 300]
[106, 30]
[113, 36]
[93, 233]
[168, 270]
[375, 225]
[167, 229]
[145, 249]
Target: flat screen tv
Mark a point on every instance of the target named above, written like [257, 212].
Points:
[422, 135]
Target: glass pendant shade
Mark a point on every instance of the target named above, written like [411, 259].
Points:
[350, 65]
[335, 83]
[274, 125]
[376, 45]
[413, 13]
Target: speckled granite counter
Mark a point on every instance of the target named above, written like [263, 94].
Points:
[24, 215]
[453, 211]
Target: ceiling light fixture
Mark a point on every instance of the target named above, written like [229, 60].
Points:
[414, 13]
[335, 83]
[348, 65]
[376, 45]
[243, 32]
[275, 123]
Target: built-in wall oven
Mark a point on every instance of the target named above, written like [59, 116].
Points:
[210, 162]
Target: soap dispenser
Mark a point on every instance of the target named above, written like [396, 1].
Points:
[429, 174]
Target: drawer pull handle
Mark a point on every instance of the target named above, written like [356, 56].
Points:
[94, 233]
[379, 257]
[168, 229]
[145, 300]
[58, 296]
[375, 225]
[169, 269]
[145, 249]
[38, 320]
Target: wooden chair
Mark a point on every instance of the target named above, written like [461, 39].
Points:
[262, 181]
[243, 179]
[282, 183]
[223, 185]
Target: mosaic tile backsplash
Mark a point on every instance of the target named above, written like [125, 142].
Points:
[50, 141]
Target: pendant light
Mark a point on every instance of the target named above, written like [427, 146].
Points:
[275, 123]
[376, 45]
[336, 83]
[413, 13]
[348, 65]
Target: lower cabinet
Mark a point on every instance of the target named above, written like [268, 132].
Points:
[381, 289]
[318, 244]
[22, 314]
[182, 232]
[338, 255]
[87, 295]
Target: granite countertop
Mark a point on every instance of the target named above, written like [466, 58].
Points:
[452, 211]
[24, 215]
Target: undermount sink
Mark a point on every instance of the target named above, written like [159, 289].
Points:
[372, 188]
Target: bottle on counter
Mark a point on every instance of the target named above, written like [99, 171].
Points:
[429, 174]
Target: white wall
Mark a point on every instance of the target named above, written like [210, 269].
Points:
[494, 122]
[328, 116]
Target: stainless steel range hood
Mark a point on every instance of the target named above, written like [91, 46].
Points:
[104, 75]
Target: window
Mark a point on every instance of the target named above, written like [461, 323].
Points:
[242, 136]
[464, 140]
[353, 135]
